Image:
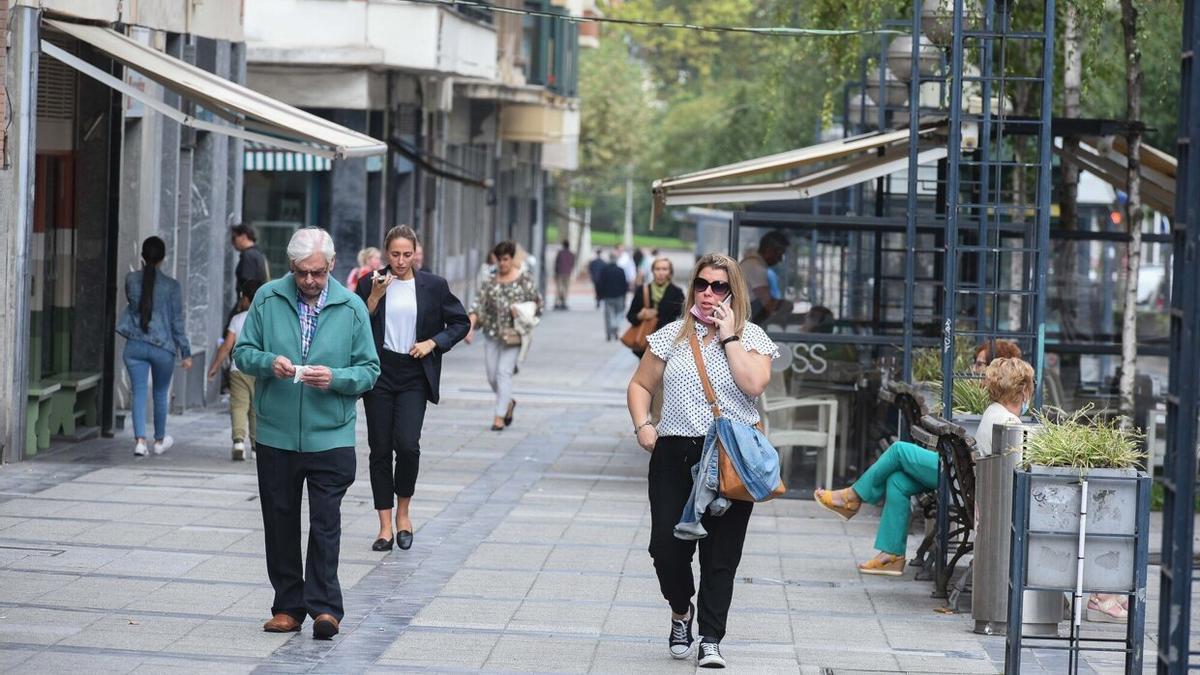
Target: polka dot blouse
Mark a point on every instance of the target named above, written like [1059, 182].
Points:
[685, 411]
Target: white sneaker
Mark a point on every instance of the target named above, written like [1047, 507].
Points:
[709, 655]
[161, 446]
[139, 450]
[239, 451]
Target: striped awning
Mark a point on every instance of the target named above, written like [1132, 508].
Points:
[260, 157]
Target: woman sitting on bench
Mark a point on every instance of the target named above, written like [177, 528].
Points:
[906, 469]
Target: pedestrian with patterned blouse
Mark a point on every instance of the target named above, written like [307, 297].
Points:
[493, 313]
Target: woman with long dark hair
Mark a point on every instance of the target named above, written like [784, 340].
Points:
[414, 320]
[152, 325]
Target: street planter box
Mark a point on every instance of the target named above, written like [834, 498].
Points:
[1053, 535]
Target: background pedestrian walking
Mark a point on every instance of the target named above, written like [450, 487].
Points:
[595, 267]
[665, 301]
[252, 264]
[153, 327]
[241, 385]
[369, 260]
[414, 320]
[612, 290]
[307, 341]
[564, 268]
[492, 312]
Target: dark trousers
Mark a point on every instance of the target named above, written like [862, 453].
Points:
[395, 413]
[281, 478]
[670, 484]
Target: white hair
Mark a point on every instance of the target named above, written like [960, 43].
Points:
[309, 241]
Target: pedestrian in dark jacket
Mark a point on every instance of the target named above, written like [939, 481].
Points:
[666, 300]
[595, 267]
[612, 289]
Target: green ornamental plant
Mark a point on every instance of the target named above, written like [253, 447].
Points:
[1080, 442]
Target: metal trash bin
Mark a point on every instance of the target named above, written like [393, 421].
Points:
[993, 529]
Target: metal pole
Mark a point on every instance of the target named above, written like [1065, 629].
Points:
[952, 206]
[1179, 466]
[1017, 561]
[1077, 596]
[1043, 203]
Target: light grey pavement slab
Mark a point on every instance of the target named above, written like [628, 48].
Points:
[530, 554]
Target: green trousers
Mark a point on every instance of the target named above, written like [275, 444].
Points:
[241, 407]
[902, 471]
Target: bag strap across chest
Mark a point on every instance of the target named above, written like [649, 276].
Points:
[709, 394]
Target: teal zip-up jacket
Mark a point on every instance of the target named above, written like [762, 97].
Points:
[294, 416]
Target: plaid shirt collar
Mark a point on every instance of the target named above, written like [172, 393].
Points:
[308, 319]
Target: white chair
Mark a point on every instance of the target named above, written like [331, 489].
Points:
[786, 435]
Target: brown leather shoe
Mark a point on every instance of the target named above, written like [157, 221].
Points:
[282, 623]
[324, 627]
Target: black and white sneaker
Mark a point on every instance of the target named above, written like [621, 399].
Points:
[709, 655]
[681, 635]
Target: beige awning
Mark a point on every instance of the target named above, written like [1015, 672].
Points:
[862, 158]
[247, 114]
[1106, 158]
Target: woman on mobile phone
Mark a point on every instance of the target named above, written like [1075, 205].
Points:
[414, 319]
[737, 356]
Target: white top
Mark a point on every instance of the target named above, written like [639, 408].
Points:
[235, 326]
[685, 411]
[625, 262]
[400, 324]
[995, 414]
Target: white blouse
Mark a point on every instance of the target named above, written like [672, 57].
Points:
[995, 414]
[400, 323]
[685, 410]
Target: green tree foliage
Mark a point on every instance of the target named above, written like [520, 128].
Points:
[673, 101]
[616, 118]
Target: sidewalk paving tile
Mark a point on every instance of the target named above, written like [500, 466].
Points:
[430, 648]
[530, 554]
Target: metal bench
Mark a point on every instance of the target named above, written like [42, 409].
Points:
[74, 405]
[956, 497]
[37, 416]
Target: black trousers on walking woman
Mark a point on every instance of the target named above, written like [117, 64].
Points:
[670, 485]
[395, 413]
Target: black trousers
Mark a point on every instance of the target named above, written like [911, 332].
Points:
[670, 484]
[282, 475]
[395, 410]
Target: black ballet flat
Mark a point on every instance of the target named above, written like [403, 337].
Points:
[497, 427]
[508, 418]
[404, 540]
[382, 544]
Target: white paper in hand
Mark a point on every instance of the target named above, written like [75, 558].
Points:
[299, 373]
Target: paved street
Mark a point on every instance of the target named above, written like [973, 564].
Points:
[530, 554]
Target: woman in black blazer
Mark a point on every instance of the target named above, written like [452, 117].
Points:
[666, 299]
[414, 319]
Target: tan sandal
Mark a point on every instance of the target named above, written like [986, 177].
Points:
[890, 566]
[1106, 609]
[825, 499]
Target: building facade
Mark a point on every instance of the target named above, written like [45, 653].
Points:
[475, 108]
[124, 120]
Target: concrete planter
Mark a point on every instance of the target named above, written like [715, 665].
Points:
[1112, 518]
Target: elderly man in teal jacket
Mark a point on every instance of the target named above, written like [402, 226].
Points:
[307, 342]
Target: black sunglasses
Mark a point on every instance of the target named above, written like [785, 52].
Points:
[721, 288]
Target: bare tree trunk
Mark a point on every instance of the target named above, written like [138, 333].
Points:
[1066, 254]
[1133, 206]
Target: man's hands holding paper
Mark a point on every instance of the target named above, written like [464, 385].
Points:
[319, 377]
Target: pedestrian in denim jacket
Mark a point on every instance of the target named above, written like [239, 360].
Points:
[153, 327]
[737, 356]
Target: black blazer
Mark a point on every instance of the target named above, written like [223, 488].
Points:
[669, 308]
[440, 317]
